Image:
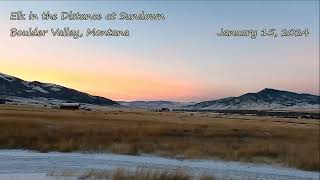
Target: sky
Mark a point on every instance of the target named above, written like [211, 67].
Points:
[178, 59]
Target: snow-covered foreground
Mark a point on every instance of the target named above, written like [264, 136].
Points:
[19, 164]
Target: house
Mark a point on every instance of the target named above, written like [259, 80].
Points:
[70, 106]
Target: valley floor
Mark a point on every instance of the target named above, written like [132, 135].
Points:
[177, 135]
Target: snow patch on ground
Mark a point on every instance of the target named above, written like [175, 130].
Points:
[261, 106]
[33, 101]
[26, 176]
[19, 161]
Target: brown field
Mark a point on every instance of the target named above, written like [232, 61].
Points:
[290, 142]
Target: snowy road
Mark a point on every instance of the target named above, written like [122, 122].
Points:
[15, 162]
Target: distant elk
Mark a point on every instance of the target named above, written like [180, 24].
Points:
[163, 110]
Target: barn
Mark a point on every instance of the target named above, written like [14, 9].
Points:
[70, 106]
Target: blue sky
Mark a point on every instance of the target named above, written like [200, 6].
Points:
[180, 58]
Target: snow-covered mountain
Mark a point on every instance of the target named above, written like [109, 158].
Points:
[12, 88]
[267, 99]
[154, 104]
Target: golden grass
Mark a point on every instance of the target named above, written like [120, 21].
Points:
[290, 142]
[150, 174]
[135, 174]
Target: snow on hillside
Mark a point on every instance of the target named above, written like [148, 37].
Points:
[37, 88]
[33, 90]
[266, 99]
[7, 77]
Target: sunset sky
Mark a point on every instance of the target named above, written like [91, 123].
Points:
[180, 58]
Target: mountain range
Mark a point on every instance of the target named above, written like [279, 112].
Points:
[15, 89]
[266, 99]
[154, 104]
[18, 90]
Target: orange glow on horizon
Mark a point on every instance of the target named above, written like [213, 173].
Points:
[109, 85]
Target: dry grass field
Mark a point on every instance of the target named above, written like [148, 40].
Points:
[136, 174]
[290, 142]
